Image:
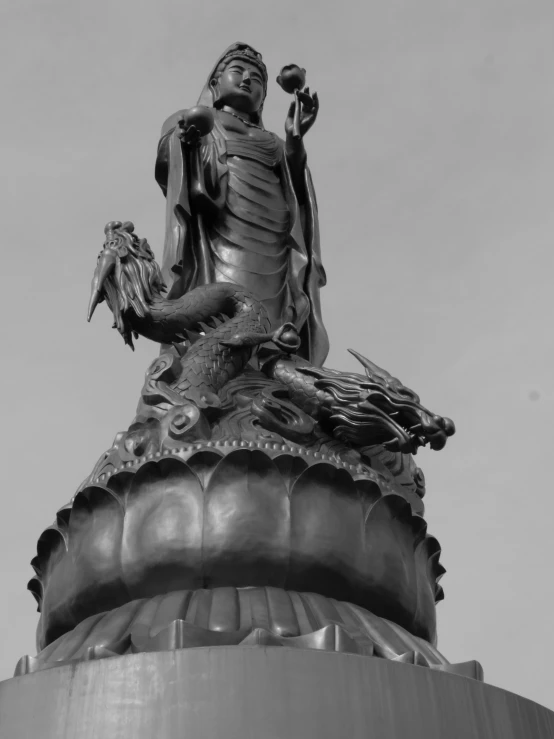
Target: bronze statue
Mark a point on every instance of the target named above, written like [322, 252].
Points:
[258, 498]
[251, 474]
[241, 205]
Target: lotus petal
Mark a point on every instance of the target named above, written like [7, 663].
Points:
[161, 547]
[90, 563]
[246, 525]
[327, 531]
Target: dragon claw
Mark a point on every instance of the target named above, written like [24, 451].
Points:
[286, 338]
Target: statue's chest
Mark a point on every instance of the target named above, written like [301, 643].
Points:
[248, 142]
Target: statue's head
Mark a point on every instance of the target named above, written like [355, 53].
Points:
[240, 81]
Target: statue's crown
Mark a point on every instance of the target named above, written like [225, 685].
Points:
[246, 53]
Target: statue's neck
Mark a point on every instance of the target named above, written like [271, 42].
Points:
[238, 113]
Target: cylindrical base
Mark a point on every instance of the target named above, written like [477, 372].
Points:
[261, 693]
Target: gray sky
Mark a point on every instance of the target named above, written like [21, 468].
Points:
[433, 160]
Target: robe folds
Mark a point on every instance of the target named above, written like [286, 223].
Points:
[199, 251]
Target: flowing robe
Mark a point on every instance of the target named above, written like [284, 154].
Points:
[265, 237]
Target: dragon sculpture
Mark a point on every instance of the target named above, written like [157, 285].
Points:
[214, 331]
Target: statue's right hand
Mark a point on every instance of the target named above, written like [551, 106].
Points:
[189, 135]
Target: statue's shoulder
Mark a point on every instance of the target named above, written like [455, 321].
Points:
[279, 141]
[171, 122]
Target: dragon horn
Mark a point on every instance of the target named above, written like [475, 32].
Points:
[369, 366]
[106, 263]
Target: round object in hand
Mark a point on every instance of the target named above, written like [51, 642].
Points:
[201, 118]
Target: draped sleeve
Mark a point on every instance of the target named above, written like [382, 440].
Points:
[186, 259]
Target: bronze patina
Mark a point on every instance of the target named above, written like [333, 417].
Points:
[257, 497]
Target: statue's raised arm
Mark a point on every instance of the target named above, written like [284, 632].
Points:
[241, 206]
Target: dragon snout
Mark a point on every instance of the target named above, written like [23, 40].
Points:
[104, 268]
[437, 429]
[436, 424]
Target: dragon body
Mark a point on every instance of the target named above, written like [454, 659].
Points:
[208, 364]
[215, 328]
[129, 279]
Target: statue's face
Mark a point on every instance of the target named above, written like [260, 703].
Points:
[241, 86]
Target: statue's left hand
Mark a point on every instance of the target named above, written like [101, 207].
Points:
[189, 135]
[308, 112]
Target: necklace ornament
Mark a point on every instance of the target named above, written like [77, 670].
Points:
[246, 123]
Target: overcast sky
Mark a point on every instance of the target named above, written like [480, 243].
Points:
[433, 160]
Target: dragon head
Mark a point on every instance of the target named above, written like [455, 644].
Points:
[379, 409]
[126, 277]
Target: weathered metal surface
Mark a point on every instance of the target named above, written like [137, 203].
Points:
[261, 693]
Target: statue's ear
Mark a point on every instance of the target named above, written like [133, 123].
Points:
[214, 87]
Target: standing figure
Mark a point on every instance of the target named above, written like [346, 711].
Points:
[241, 206]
